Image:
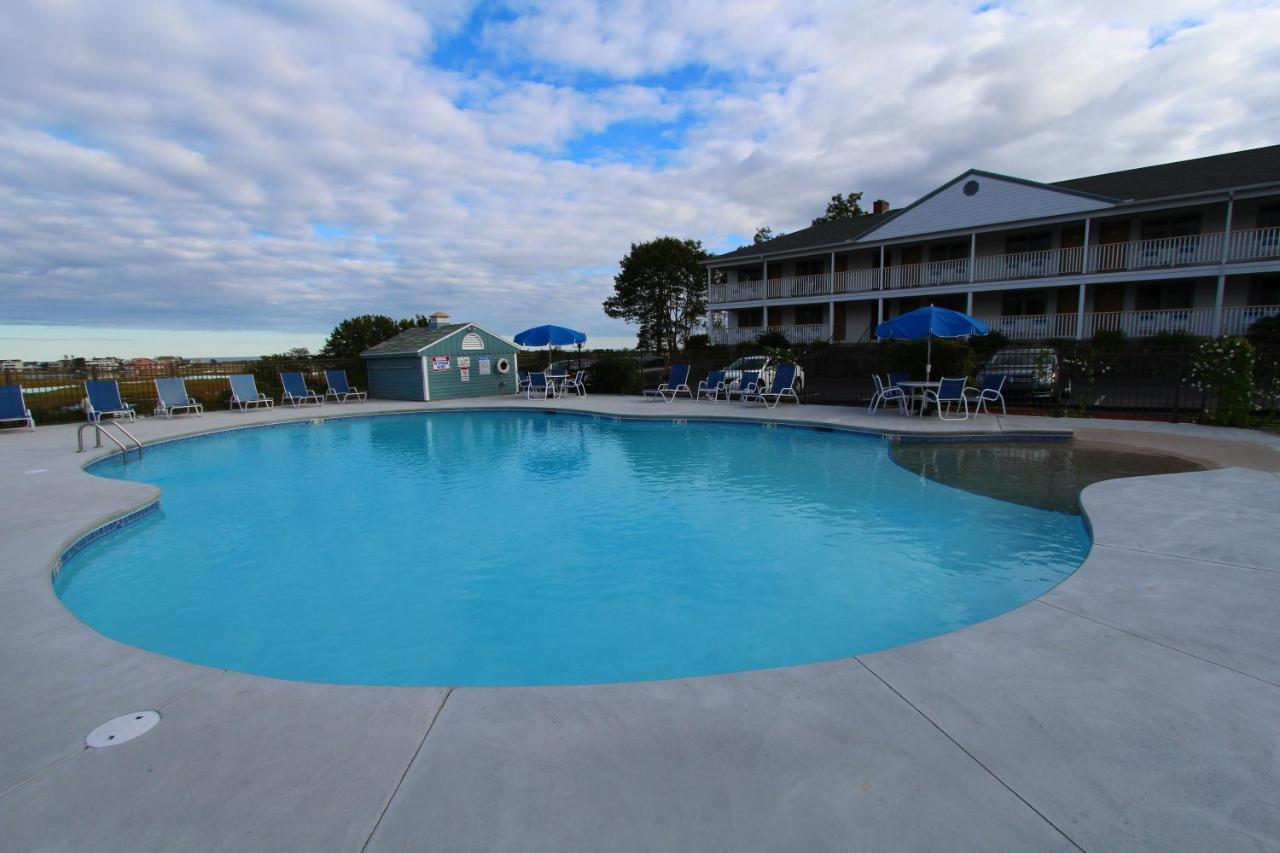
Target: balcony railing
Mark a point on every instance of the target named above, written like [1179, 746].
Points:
[1134, 324]
[1166, 253]
[804, 334]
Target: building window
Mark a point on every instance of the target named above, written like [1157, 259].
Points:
[472, 341]
[1023, 303]
[1171, 295]
[1033, 241]
[1268, 216]
[956, 251]
[750, 318]
[751, 274]
[809, 315]
[1162, 227]
[811, 267]
[1264, 290]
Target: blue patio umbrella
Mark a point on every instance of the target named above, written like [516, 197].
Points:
[931, 322]
[547, 335]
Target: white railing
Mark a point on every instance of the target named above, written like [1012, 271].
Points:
[801, 285]
[856, 281]
[736, 291]
[1143, 324]
[1028, 264]
[1254, 245]
[805, 334]
[1196, 250]
[1236, 321]
[1034, 327]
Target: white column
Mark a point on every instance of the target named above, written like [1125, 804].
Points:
[1221, 292]
[831, 321]
[1080, 307]
[764, 294]
[882, 273]
[832, 273]
[968, 303]
[1084, 257]
[879, 311]
[973, 258]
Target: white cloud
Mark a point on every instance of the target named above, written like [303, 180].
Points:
[164, 164]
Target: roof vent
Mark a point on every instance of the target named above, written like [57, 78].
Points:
[880, 206]
[437, 320]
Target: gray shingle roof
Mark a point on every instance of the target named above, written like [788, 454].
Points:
[1203, 174]
[822, 234]
[413, 341]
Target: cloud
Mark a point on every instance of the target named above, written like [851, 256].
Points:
[283, 165]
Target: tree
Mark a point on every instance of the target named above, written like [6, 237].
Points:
[842, 207]
[355, 335]
[763, 235]
[662, 289]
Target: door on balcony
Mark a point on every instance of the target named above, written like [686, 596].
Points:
[1108, 298]
[1072, 253]
[1112, 235]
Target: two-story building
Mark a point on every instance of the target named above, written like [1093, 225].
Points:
[1192, 246]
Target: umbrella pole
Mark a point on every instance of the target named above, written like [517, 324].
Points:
[928, 359]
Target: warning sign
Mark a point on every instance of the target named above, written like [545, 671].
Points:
[439, 362]
[464, 367]
[483, 362]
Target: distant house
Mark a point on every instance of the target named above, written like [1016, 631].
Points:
[141, 364]
[1188, 247]
[11, 364]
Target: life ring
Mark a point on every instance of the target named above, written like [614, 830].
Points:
[503, 365]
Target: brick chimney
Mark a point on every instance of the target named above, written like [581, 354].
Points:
[437, 320]
[880, 206]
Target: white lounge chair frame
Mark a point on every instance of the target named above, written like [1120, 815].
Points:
[944, 404]
[167, 409]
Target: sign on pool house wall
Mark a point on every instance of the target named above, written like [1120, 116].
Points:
[446, 362]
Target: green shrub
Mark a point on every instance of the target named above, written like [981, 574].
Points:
[773, 339]
[1170, 340]
[1223, 368]
[991, 340]
[697, 342]
[615, 375]
[950, 358]
[1109, 339]
[1265, 332]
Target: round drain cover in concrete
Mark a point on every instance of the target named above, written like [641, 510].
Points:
[122, 729]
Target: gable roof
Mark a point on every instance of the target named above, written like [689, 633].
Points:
[415, 340]
[822, 234]
[1203, 174]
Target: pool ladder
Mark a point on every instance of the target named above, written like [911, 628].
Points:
[100, 430]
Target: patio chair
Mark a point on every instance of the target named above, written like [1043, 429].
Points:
[540, 387]
[949, 392]
[886, 394]
[296, 390]
[712, 386]
[783, 385]
[245, 393]
[522, 382]
[748, 386]
[677, 383]
[992, 391]
[173, 397]
[13, 408]
[103, 400]
[577, 383]
[341, 390]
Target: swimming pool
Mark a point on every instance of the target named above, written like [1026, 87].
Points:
[520, 548]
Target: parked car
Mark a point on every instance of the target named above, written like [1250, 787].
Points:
[1030, 371]
[762, 365]
[570, 365]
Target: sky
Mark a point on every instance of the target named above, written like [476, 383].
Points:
[195, 178]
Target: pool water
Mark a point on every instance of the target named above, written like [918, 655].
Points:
[520, 548]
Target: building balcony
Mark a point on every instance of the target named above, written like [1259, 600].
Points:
[1259, 244]
[805, 334]
[1134, 324]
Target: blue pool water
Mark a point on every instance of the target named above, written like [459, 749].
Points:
[507, 548]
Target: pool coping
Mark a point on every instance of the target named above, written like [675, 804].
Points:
[1113, 510]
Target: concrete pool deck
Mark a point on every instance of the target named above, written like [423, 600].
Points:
[1136, 706]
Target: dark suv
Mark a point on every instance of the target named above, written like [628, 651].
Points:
[1031, 372]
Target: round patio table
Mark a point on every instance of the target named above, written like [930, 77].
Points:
[915, 390]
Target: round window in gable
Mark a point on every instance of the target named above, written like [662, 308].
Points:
[971, 188]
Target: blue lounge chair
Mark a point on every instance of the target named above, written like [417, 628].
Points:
[713, 386]
[340, 389]
[13, 408]
[888, 394]
[783, 385]
[676, 384]
[522, 382]
[173, 397]
[539, 386]
[992, 391]
[296, 390]
[950, 392]
[747, 387]
[103, 400]
[245, 393]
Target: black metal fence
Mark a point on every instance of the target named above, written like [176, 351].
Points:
[56, 393]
